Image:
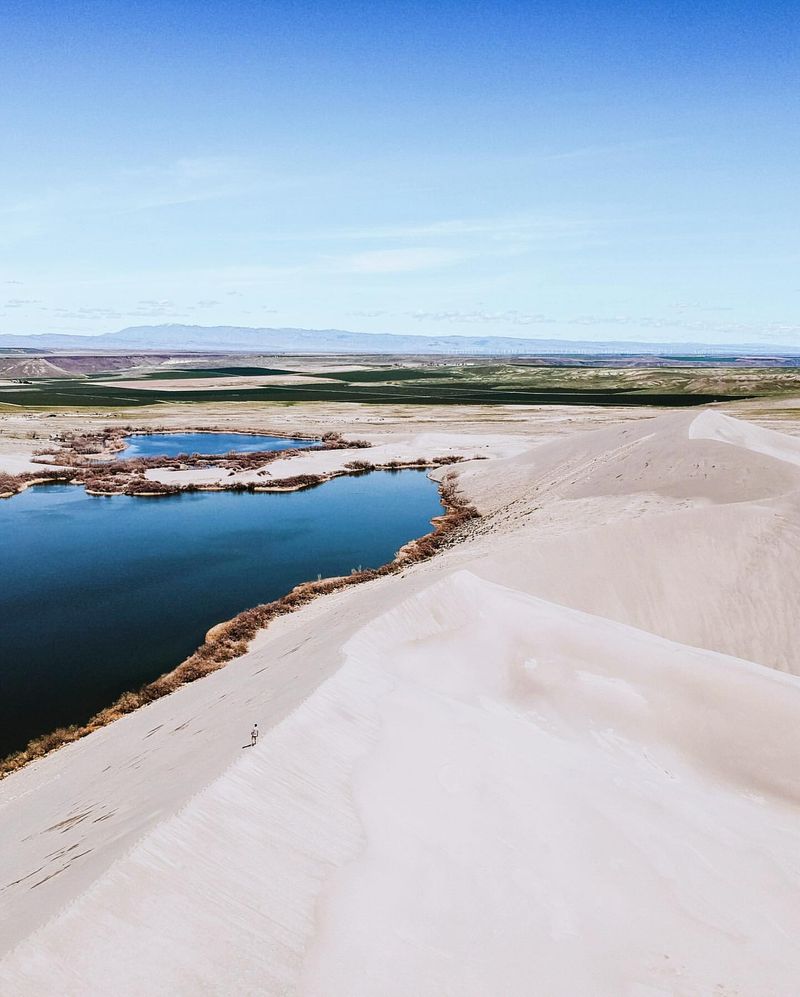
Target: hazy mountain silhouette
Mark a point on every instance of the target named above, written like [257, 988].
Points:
[228, 338]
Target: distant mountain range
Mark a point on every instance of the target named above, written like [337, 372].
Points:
[239, 339]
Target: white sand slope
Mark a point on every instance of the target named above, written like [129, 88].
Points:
[711, 425]
[522, 768]
[661, 525]
[493, 795]
[19, 463]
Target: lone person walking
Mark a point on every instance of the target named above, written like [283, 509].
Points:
[254, 736]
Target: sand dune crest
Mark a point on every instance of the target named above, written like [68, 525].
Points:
[492, 795]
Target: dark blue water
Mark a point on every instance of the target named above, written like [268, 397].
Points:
[100, 595]
[172, 444]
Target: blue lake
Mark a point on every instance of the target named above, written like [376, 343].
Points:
[101, 595]
[172, 444]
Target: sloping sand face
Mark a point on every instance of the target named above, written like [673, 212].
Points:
[498, 774]
[493, 795]
[661, 525]
[712, 425]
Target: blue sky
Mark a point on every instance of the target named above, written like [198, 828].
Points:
[582, 171]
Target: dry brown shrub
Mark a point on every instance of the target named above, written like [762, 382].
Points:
[10, 484]
[299, 481]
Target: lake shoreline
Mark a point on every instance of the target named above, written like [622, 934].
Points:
[110, 439]
[76, 463]
[230, 639]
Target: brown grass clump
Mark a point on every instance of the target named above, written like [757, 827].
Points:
[144, 486]
[84, 444]
[231, 639]
[298, 482]
[13, 484]
[9, 484]
[335, 441]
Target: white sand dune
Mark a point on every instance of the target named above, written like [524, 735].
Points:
[522, 768]
[711, 425]
[542, 792]
[656, 526]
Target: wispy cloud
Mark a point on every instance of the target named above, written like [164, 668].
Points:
[507, 228]
[617, 150]
[106, 314]
[183, 181]
[389, 261]
[510, 317]
[770, 332]
[456, 227]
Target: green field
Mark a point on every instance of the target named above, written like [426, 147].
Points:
[457, 384]
[485, 384]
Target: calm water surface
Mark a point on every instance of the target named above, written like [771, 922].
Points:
[172, 444]
[99, 595]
